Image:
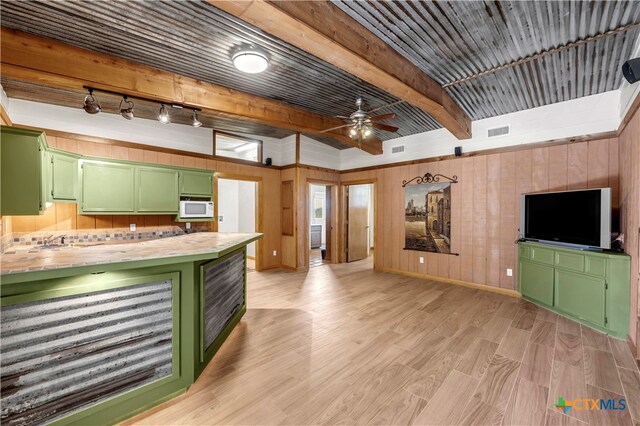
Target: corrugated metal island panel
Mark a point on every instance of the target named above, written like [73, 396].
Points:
[223, 295]
[65, 354]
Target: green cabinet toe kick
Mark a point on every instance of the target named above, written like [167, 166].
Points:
[587, 286]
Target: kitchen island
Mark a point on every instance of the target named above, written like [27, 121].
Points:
[93, 335]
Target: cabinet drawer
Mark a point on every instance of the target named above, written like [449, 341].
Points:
[525, 252]
[581, 296]
[536, 282]
[572, 261]
[596, 266]
[542, 255]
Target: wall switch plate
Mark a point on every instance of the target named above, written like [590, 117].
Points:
[220, 218]
[132, 227]
[509, 272]
[188, 225]
[275, 253]
[421, 259]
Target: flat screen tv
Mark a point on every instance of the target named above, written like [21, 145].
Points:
[574, 218]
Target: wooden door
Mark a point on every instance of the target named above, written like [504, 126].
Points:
[328, 228]
[358, 222]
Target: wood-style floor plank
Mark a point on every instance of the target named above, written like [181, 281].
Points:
[601, 370]
[514, 343]
[343, 344]
[631, 385]
[607, 417]
[621, 353]
[528, 404]
[444, 408]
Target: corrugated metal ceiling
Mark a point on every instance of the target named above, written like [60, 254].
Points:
[195, 39]
[448, 40]
[452, 40]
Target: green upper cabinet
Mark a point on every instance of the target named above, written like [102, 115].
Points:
[157, 190]
[107, 187]
[24, 171]
[196, 184]
[63, 181]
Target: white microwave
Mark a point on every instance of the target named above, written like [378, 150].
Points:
[196, 209]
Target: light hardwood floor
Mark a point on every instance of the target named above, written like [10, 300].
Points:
[343, 344]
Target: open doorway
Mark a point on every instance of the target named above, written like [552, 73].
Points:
[237, 211]
[359, 200]
[321, 221]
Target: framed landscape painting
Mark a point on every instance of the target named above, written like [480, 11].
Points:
[427, 217]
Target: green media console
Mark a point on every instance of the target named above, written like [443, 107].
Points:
[589, 286]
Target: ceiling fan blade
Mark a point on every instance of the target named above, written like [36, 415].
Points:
[385, 127]
[335, 128]
[342, 117]
[382, 117]
[385, 106]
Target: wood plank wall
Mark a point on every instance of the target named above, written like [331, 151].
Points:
[630, 214]
[63, 216]
[485, 205]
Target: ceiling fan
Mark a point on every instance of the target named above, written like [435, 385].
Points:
[362, 122]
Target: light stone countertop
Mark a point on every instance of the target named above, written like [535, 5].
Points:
[21, 260]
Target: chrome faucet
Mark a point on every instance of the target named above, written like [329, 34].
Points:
[50, 239]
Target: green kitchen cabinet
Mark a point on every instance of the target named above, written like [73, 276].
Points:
[157, 190]
[539, 283]
[581, 296]
[589, 286]
[63, 176]
[24, 171]
[107, 187]
[196, 184]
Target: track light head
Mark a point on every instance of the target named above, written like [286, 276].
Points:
[163, 115]
[91, 105]
[194, 121]
[126, 108]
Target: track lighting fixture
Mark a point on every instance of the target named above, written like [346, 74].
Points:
[91, 105]
[194, 121]
[126, 108]
[163, 115]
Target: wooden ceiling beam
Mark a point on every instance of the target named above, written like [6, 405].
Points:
[45, 61]
[323, 30]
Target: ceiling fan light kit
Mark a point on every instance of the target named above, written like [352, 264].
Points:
[362, 123]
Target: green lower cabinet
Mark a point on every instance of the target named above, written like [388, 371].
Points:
[107, 188]
[157, 190]
[590, 287]
[96, 348]
[581, 296]
[539, 283]
[64, 177]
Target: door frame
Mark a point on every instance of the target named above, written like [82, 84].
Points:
[333, 222]
[344, 209]
[258, 224]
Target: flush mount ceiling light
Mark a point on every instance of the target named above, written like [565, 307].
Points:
[194, 120]
[250, 60]
[126, 108]
[163, 115]
[91, 105]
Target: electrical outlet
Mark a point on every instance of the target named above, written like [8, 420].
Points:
[188, 225]
[421, 259]
[220, 218]
[132, 227]
[509, 272]
[275, 253]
